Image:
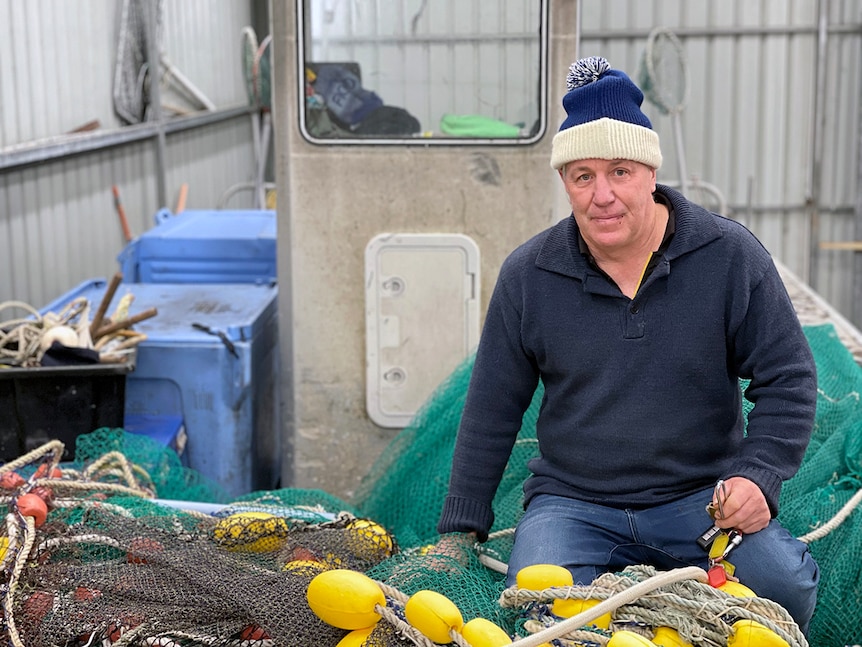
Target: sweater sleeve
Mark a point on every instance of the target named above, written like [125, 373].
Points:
[771, 350]
[501, 388]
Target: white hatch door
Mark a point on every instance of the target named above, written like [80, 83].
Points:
[422, 318]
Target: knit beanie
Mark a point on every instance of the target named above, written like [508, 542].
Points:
[603, 118]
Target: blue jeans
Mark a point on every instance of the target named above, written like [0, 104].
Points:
[590, 539]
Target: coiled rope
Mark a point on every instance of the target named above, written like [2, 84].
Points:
[21, 338]
[680, 599]
[21, 529]
[651, 611]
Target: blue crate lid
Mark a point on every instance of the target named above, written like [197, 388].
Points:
[213, 224]
[240, 311]
[204, 246]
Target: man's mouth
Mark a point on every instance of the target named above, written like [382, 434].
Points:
[608, 217]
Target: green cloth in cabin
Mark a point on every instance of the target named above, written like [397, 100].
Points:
[477, 126]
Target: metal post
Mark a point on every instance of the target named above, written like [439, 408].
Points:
[856, 314]
[578, 28]
[817, 141]
[676, 119]
[286, 102]
[155, 107]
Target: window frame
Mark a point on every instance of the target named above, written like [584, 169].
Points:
[419, 141]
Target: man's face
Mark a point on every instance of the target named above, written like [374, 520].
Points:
[612, 203]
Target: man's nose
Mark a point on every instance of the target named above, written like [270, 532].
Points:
[604, 193]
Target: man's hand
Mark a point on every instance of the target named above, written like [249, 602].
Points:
[454, 546]
[744, 506]
[451, 554]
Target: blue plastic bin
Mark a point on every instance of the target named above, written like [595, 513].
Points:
[167, 430]
[222, 384]
[204, 247]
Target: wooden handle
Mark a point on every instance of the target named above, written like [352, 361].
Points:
[149, 313]
[121, 213]
[181, 200]
[106, 301]
[850, 246]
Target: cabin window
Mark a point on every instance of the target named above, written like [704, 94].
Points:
[422, 72]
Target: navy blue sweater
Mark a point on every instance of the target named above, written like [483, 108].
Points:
[642, 400]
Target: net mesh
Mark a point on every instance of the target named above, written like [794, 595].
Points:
[110, 563]
[663, 75]
[256, 68]
[830, 475]
[133, 59]
[249, 52]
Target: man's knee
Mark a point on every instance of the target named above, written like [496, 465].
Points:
[780, 568]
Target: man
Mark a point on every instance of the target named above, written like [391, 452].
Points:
[639, 313]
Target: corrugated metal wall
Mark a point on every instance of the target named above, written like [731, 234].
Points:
[54, 58]
[772, 118]
[772, 121]
[58, 224]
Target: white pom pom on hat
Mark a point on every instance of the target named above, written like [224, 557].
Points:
[603, 118]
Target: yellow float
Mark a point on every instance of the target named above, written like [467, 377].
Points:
[480, 632]
[543, 576]
[355, 638]
[737, 590]
[748, 633]
[345, 599]
[251, 532]
[434, 615]
[305, 567]
[629, 639]
[539, 577]
[669, 637]
[368, 539]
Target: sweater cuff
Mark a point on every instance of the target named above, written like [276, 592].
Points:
[768, 482]
[465, 515]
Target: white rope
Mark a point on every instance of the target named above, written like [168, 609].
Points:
[21, 339]
[20, 562]
[839, 518]
[493, 563]
[606, 606]
[52, 446]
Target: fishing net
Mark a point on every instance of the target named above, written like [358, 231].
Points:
[256, 68]
[133, 59]
[112, 564]
[663, 77]
[128, 547]
[831, 474]
[139, 41]
[663, 74]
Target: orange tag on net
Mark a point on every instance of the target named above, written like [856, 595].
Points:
[716, 576]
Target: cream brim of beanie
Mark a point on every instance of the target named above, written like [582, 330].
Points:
[606, 139]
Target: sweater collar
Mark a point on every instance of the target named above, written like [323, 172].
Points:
[695, 227]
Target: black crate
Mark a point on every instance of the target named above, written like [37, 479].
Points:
[46, 403]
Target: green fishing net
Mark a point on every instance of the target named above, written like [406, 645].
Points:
[830, 475]
[120, 560]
